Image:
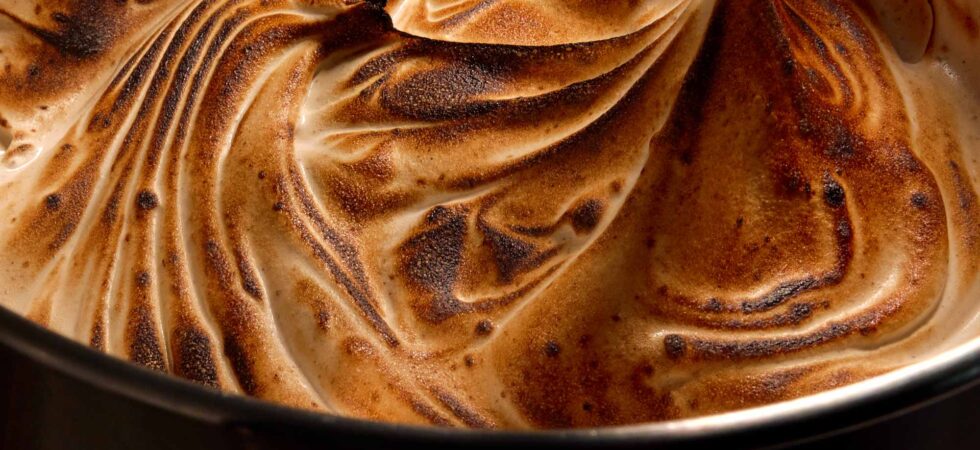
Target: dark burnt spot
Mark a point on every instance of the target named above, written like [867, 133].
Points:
[194, 356]
[587, 407]
[262, 174]
[805, 127]
[774, 384]
[432, 258]
[251, 286]
[278, 206]
[793, 182]
[587, 215]
[358, 347]
[963, 14]
[60, 17]
[511, 254]
[65, 150]
[211, 249]
[484, 327]
[552, 349]
[62, 236]
[143, 279]
[844, 230]
[241, 364]
[323, 320]
[687, 157]
[964, 192]
[713, 305]
[463, 412]
[430, 414]
[147, 200]
[53, 202]
[971, 26]
[779, 295]
[438, 214]
[97, 339]
[906, 159]
[645, 370]
[788, 65]
[375, 68]
[448, 93]
[737, 350]
[675, 346]
[469, 361]
[796, 314]
[843, 143]
[920, 200]
[144, 344]
[833, 193]
[800, 312]
[249, 280]
[33, 72]
[80, 35]
[443, 307]
[111, 211]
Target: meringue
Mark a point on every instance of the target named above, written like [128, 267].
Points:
[496, 214]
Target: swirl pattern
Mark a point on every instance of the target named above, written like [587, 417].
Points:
[495, 213]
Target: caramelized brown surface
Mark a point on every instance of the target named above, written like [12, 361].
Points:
[495, 213]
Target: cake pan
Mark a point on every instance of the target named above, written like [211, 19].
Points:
[58, 394]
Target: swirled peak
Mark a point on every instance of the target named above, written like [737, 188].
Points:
[495, 213]
[527, 22]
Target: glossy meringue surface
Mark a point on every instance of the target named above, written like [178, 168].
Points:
[496, 213]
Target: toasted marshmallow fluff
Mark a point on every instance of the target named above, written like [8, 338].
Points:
[496, 213]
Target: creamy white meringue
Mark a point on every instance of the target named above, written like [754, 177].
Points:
[510, 213]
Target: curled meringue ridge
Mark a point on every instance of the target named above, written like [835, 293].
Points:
[496, 213]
